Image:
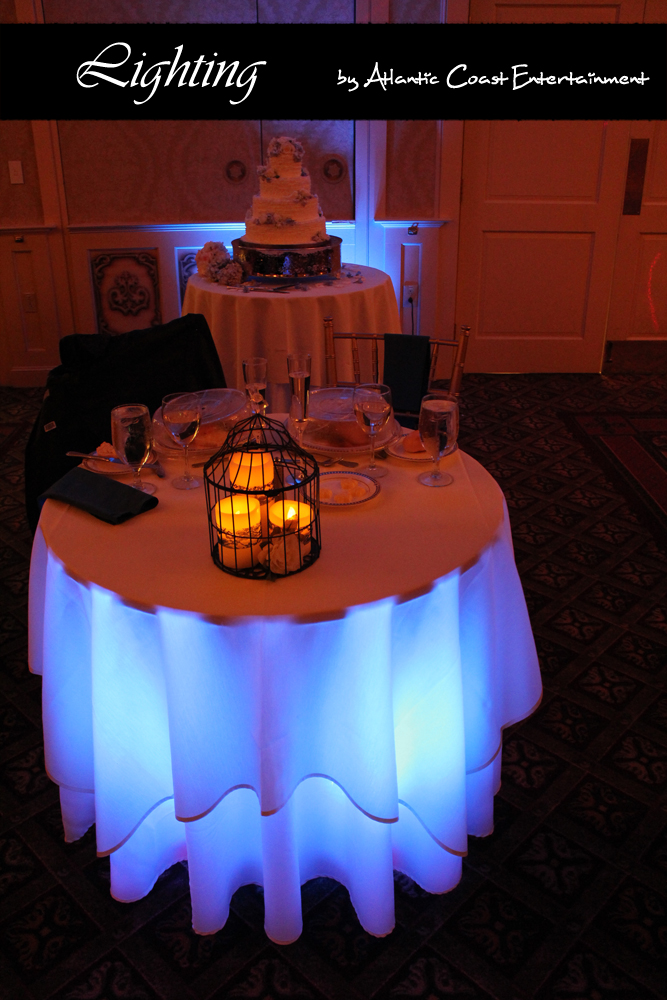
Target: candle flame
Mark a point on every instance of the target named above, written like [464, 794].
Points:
[291, 512]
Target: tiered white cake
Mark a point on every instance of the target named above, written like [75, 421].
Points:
[285, 212]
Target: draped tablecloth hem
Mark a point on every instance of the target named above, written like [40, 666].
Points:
[506, 725]
[112, 850]
[450, 850]
[272, 812]
[71, 788]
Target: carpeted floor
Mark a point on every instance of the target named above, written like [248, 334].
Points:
[567, 900]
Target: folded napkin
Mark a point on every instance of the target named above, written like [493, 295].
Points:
[100, 496]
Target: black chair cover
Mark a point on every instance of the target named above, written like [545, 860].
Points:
[99, 372]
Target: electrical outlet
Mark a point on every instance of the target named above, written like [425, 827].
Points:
[410, 291]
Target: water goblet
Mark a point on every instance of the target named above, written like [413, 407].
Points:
[181, 413]
[132, 437]
[254, 376]
[372, 408]
[438, 431]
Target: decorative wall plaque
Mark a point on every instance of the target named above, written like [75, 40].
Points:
[127, 289]
[187, 265]
[334, 169]
[235, 171]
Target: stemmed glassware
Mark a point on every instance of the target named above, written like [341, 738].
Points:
[254, 376]
[372, 408]
[181, 413]
[438, 430]
[298, 370]
[132, 437]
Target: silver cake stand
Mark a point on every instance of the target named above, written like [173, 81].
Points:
[285, 261]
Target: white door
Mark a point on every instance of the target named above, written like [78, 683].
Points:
[540, 214]
[638, 308]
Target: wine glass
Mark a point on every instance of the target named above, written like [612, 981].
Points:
[132, 437]
[181, 413]
[254, 376]
[438, 430]
[372, 408]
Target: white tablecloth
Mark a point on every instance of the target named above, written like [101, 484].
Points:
[272, 324]
[345, 721]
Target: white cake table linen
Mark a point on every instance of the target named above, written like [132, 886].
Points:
[271, 324]
[274, 748]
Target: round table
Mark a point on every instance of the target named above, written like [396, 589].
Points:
[345, 721]
[271, 324]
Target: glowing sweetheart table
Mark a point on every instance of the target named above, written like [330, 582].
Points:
[345, 721]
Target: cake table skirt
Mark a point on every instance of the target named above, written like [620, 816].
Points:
[270, 324]
[273, 752]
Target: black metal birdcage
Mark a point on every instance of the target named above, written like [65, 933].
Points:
[263, 502]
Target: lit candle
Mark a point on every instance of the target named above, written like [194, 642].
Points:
[290, 542]
[251, 470]
[290, 515]
[236, 517]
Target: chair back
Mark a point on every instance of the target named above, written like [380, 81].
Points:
[403, 362]
[99, 372]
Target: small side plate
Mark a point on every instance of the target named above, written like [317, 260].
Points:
[108, 468]
[398, 451]
[346, 489]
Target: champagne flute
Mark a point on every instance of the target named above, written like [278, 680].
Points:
[298, 369]
[438, 431]
[254, 376]
[372, 408]
[181, 413]
[132, 437]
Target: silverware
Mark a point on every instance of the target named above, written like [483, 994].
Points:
[337, 461]
[155, 466]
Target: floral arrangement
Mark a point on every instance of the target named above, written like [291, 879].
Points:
[214, 263]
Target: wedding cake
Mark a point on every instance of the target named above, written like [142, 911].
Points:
[285, 211]
[285, 229]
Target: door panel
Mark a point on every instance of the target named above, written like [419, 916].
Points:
[540, 214]
[158, 172]
[638, 307]
[539, 219]
[30, 327]
[554, 12]
[522, 277]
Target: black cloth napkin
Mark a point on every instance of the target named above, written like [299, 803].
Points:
[407, 362]
[100, 496]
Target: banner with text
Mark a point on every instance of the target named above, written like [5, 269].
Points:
[328, 71]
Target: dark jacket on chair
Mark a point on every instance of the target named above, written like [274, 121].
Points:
[99, 372]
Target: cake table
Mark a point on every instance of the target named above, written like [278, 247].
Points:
[271, 323]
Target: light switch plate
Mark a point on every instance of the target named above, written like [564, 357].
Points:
[15, 171]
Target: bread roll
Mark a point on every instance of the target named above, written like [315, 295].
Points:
[412, 442]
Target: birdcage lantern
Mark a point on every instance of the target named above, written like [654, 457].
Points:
[262, 500]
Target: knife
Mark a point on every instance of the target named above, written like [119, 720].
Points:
[155, 466]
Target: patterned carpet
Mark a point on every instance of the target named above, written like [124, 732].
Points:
[567, 900]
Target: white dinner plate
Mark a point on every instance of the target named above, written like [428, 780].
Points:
[398, 451]
[346, 489]
[356, 449]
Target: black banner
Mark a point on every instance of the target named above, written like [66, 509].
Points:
[333, 71]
